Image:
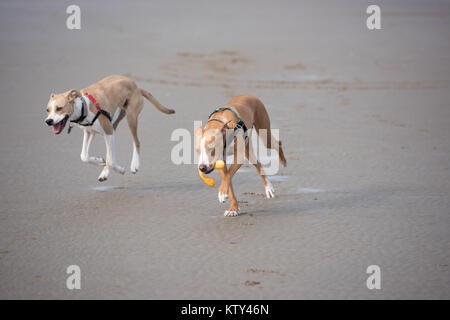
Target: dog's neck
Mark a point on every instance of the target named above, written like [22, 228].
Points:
[77, 108]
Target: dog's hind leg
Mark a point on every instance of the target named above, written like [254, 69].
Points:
[132, 118]
[262, 126]
[87, 140]
[121, 115]
[268, 187]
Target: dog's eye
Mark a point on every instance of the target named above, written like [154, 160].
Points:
[47, 110]
[58, 108]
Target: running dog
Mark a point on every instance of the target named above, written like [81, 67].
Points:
[91, 109]
[223, 126]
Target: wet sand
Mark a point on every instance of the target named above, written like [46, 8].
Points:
[363, 115]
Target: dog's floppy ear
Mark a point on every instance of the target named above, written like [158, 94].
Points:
[73, 94]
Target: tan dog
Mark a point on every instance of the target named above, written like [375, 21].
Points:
[98, 109]
[211, 141]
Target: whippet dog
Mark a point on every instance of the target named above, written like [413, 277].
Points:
[223, 126]
[91, 109]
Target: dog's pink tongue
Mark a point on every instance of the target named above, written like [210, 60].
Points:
[57, 128]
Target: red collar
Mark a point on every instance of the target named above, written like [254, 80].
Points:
[93, 100]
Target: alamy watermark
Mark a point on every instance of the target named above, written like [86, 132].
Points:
[228, 145]
[373, 22]
[73, 21]
[374, 280]
[74, 280]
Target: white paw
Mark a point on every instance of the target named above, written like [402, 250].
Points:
[133, 170]
[99, 161]
[270, 191]
[104, 175]
[231, 213]
[119, 169]
[222, 197]
[134, 167]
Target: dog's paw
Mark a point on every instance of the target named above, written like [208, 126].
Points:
[99, 160]
[222, 197]
[104, 175]
[270, 191]
[223, 193]
[119, 169]
[134, 167]
[231, 213]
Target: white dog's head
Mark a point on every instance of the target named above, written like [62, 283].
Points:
[59, 109]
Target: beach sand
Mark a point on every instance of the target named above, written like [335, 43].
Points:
[364, 117]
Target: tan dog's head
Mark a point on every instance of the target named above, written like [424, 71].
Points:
[59, 108]
[209, 144]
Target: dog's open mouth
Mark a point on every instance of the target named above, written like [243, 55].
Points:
[58, 127]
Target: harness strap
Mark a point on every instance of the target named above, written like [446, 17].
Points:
[84, 115]
[224, 108]
[99, 112]
[239, 125]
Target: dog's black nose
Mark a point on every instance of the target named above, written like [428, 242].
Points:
[49, 122]
[202, 168]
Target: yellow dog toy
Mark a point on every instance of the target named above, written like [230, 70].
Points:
[210, 181]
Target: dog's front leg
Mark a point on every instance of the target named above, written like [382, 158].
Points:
[110, 158]
[87, 140]
[233, 210]
[223, 189]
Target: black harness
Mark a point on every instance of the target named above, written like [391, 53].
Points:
[84, 115]
[239, 125]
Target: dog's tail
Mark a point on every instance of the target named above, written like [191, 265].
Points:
[156, 103]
